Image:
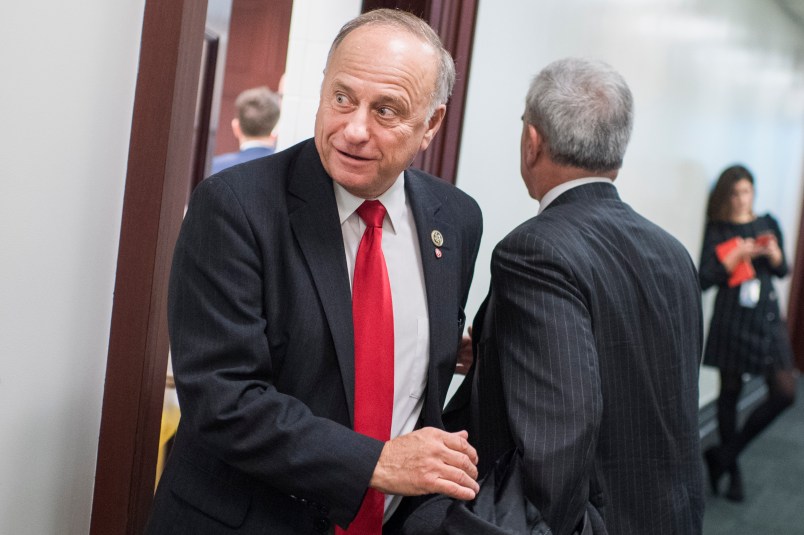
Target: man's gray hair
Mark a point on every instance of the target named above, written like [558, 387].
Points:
[584, 111]
[445, 76]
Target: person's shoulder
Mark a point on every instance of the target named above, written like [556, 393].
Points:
[660, 241]
[537, 232]
[260, 178]
[222, 161]
[276, 162]
[444, 191]
[225, 157]
[437, 185]
[716, 224]
[652, 228]
[720, 230]
[769, 219]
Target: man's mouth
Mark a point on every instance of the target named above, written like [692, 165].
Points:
[353, 156]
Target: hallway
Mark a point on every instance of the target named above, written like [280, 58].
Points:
[773, 472]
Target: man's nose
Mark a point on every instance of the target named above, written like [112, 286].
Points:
[357, 127]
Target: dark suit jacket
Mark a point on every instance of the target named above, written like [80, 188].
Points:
[262, 345]
[588, 352]
[744, 339]
[223, 161]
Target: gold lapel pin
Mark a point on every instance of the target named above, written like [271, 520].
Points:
[438, 239]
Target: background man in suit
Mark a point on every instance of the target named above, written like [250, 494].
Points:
[590, 339]
[265, 350]
[257, 115]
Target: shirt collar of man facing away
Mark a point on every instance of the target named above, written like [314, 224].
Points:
[554, 193]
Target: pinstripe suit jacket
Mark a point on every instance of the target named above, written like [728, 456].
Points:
[588, 351]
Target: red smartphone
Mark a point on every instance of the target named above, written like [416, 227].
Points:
[763, 240]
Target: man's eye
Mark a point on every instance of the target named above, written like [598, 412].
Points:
[340, 99]
[385, 112]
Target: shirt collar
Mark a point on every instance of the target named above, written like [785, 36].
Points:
[553, 194]
[253, 144]
[393, 199]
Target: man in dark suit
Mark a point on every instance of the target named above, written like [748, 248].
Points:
[257, 115]
[589, 342]
[264, 346]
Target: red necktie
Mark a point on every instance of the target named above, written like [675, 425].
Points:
[373, 318]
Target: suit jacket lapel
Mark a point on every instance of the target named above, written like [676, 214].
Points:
[440, 283]
[313, 214]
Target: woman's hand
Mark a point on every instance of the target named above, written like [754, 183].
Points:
[768, 246]
[746, 249]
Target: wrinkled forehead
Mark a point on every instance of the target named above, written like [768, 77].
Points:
[393, 38]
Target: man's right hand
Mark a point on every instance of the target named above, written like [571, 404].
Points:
[427, 461]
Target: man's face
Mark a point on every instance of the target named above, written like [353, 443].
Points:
[742, 199]
[371, 119]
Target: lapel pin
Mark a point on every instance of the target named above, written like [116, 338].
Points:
[438, 252]
[438, 239]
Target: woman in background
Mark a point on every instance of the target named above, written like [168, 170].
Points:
[741, 254]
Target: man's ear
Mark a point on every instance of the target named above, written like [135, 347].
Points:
[238, 133]
[533, 145]
[433, 125]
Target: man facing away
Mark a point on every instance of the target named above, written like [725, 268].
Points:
[316, 309]
[589, 342]
[257, 115]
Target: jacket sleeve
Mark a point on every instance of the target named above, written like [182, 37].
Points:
[550, 375]
[224, 370]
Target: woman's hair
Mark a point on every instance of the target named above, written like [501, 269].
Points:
[719, 206]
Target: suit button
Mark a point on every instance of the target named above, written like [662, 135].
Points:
[771, 316]
[321, 525]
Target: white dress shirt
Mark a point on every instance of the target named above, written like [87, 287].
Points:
[553, 194]
[400, 246]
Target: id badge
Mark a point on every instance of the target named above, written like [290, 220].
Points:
[749, 293]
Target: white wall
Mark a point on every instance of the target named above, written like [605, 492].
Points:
[69, 71]
[313, 26]
[714, 82]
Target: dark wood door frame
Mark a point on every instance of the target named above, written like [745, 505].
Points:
[795, 309]
[159, 167]
[203, 135]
